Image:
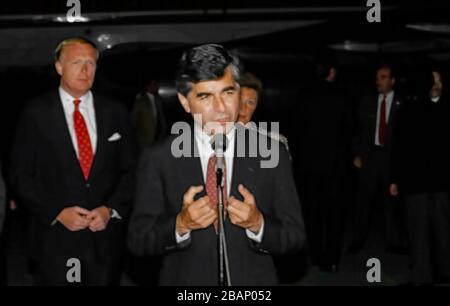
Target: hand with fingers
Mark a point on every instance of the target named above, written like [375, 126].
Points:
[195, 214]
[74, 218]
[245, 213]
[99, 217]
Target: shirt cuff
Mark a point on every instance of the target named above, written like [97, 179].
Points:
[183, 238]
[256, 237]
[116, 215]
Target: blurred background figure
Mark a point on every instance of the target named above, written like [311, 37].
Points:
[421, 174]
[251, 89]
[372, 149]
[323, 123]
[147, 115]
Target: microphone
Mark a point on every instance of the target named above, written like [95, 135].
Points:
[219, 145]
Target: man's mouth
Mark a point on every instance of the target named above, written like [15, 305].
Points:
[223, 120]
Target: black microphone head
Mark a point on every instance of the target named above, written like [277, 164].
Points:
[219, 141]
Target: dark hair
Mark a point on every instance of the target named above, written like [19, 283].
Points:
[392, 72]
[71, 41]
[251, 81]
[203, 63]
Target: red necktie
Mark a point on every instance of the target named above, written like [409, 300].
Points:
[211, 185]
[85, 152]
[382, 124]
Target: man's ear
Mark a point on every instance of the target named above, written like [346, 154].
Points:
[184, 102]
[393, 81]
[58, 67]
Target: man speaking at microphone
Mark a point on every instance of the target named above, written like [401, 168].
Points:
[175, 211]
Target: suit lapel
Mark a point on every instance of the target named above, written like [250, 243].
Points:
[244, 168]
[100, 120]
[190, 168]
[374, 117]
[62, 134]
[393, 109]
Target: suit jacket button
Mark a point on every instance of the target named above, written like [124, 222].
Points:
[88, 185]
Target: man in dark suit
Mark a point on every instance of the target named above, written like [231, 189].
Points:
[420, 172]
[372, 148]
[72, 169]
[147, 115]
[175, 213]
[321, 148]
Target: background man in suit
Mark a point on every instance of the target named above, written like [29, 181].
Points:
[175, 213]
[324, 124]
[420, 171]
[147, 115]
[372, 148]
[72, 168]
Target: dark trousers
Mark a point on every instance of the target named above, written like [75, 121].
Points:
[373, 194]
[428, 221]
[322, 197]
[53, 270]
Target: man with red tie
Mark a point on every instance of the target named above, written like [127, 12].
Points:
[372, 147]
[72, 168]
[175, 212]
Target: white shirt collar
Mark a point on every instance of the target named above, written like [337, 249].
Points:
[389, 95]
[436, 99]
[67, 99]
[203, 142]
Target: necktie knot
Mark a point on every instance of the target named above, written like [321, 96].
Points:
[76, 102]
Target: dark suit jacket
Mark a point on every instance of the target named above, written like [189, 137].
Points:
[161, 182]
[364, 143]
[323, 125]
[420, 158]
[47, 176]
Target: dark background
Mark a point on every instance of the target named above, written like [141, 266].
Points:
[276, 40]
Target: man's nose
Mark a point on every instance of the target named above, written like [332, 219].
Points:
[219, 104]
[84, 67]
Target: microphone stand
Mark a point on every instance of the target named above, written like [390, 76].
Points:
[224, 267]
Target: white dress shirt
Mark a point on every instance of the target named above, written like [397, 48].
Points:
[205, 151]
[86, 108]
[389, 100]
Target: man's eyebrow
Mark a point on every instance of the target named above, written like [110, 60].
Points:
[199, 94]
[228, 88]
